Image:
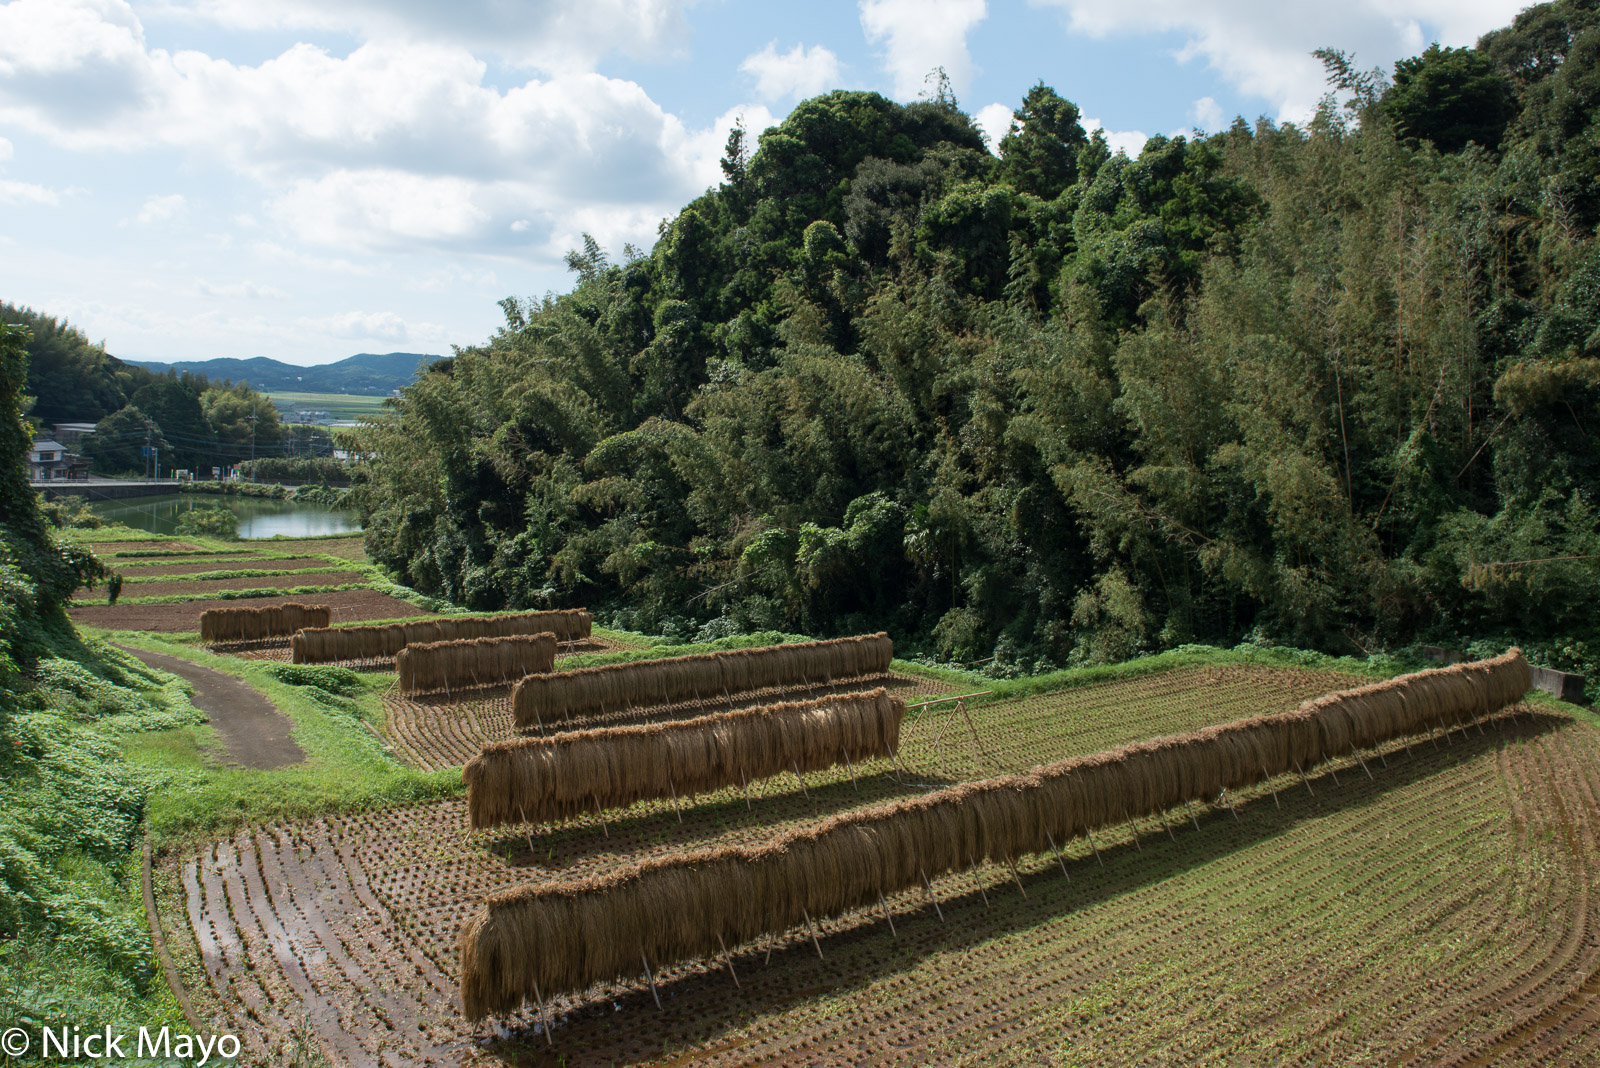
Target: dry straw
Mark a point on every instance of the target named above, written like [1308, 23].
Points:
[542, 699]
[222, 625]
[428, 667]
[541, 779]
[564, 937]
[337, 644]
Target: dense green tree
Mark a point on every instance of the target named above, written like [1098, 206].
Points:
[1327, 384]
[1450, 97]
[116, 447]
[174, 404]
[243, 423]
[70, 379]
[1039, 154]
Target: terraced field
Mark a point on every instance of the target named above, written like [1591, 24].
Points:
[1434, 905]
[167, 584]
[1438, 911]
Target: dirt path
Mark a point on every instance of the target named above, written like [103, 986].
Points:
[255, 732]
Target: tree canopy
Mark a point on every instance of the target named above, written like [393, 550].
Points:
[1331, 384]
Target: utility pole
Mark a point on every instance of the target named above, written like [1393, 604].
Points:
[254, 415]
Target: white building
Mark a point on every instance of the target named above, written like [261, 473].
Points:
[49, 461]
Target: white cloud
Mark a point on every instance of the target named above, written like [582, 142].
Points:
[385, 208]
[1265, 51]
[247, 290]
[28, 193]
[995, 121]
[6, 151]
[161, 208]
[377, 326]
[1129, 141]
[799, 72]
[1207, 114]
[552, 35]
[919, 35]
[397, 144]
[274, 253]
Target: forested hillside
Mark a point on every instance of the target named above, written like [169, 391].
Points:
[1336, 385]
[196, 422]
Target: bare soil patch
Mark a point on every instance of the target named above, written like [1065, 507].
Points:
[102, 548]
[172, 618]
[139, 567]
[195, 587]
[351, 548]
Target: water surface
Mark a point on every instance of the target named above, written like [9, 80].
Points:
[258, 517]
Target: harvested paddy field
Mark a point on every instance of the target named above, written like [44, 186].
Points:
[1433, 912]
[348, 605]
[202, 570]
[141, 568]
[198, 586]
[112, 548]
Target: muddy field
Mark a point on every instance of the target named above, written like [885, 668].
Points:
[141, 567]
[1436, 910]
[348, 605]
[196, 587]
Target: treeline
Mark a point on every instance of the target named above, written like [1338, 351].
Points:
[1336, 385]
[197, 424]
[298, 468]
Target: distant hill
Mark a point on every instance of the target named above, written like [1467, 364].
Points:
[367, 373]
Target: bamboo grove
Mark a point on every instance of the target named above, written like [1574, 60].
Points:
[1332, 383]
[539, 940]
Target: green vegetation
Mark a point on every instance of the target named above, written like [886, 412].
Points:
[69, 379]
[73, 945]
[217, 522]
[1331, 386]
[309, 493]
[296, 469]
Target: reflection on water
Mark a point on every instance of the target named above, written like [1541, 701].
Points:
[258, 518]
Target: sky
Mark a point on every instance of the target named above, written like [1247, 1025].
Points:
[308, 179]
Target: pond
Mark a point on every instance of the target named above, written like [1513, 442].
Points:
[258, 517]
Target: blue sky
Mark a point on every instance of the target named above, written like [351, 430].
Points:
[306, 179]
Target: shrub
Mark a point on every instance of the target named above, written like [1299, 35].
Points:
[215, 522]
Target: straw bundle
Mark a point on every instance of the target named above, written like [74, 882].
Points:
[540, 779]
[464, 662]
[382, 642]
[564, 695]
[220, 625]
[549, 939]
